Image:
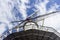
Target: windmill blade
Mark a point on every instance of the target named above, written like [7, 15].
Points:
[18, 26]
[45, 15]
[33, 14]
[17, 21]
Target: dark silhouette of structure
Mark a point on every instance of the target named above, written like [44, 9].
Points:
[32, 34]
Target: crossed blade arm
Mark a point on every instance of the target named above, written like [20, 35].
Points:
[40, 16]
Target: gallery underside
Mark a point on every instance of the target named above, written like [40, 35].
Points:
[32, 34]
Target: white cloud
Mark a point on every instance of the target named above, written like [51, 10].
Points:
[53, 7]
[2, 28]
[23, 8]
[42, 6]
[6, 16]
[52, 21]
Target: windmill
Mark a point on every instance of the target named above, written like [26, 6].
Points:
[32, 34]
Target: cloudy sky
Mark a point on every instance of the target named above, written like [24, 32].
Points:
[12, 10]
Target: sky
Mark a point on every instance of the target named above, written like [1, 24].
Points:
[12, 10]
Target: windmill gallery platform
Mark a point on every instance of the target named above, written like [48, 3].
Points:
[32, 34]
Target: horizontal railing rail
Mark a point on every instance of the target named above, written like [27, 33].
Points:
[19, 28]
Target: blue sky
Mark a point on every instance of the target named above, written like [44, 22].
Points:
[21, 9]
